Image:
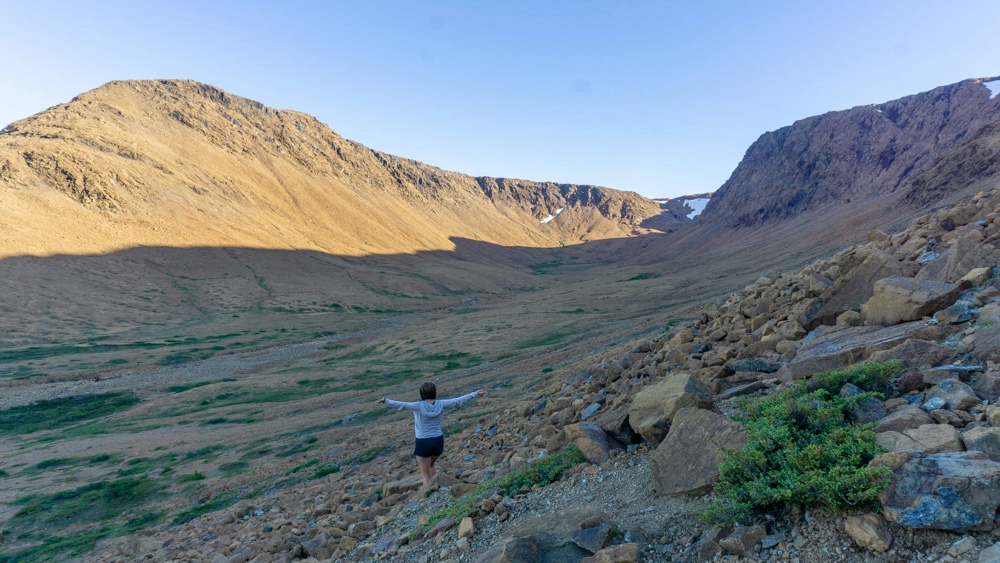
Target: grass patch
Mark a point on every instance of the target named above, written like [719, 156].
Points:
[233, 467]
[188, 386]
[61, 462]
[802, 450]
[206, 454]
[310, 443]
[223, 500]
[54, 413]
[91, 503]
[644, 276]
[328, 469]
[53, 548]
[368, 455]
[541, 472]
[302, 466]
[190, 477]
[547, 340]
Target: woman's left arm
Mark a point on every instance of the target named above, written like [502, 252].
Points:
[462, 399]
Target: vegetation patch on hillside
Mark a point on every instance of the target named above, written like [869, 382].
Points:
[54, 413]
[802, 450]
[90, 513]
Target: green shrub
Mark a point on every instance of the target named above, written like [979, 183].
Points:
[801, 449]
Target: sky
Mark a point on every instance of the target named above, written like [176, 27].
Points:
[659, 98]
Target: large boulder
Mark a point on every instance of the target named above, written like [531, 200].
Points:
[512, 550]
[984, 439]
[857, 286]
[929, 438]
[957, 395]
[557, 536]
[947, 491]
[654, 407]
[903, 418]
[987, 335]
[687, 461]
[898, 299]
[962, 256]
[837, 347]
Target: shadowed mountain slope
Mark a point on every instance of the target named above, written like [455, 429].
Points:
[178, 163]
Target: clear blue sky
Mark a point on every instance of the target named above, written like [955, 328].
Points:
[661, 98]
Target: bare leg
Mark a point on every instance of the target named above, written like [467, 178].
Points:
[426, 465]
[433, 470]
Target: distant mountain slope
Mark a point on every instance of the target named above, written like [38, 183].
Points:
[178, 163]
[920, 148]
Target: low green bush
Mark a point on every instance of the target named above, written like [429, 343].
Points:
[802, 450]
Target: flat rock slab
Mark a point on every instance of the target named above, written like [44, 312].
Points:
[898, 299]
[830, 348]
[687, 461]
[948, 491]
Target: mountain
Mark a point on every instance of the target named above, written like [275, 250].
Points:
[179, 163]
[919, 149]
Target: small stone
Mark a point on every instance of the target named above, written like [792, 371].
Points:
[933, 404]
[621, 553]
[466, 529]
[767, 542]
[990, 554]
[359, 529]
[742, 539]
[962, 546]
[462, 544]
[869, 531]
[590, 411]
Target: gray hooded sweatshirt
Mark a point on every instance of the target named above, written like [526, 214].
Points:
[427, 417]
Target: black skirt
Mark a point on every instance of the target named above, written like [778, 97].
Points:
[429, 447]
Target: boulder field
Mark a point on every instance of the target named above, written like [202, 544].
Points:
[653, 421]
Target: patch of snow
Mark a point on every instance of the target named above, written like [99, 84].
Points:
[551, 217]
[878, 110]
[697, 205]
[994, 86]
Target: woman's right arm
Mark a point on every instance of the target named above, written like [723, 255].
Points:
[398, 405]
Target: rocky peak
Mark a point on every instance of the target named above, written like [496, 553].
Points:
[854, 156]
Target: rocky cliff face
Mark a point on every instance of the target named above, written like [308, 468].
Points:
[182, 163]
[923, 147]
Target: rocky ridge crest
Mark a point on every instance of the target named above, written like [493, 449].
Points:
[922, 148]
[179, 163]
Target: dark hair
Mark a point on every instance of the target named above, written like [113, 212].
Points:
[428, 391]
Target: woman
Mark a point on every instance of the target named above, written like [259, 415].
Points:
[427, 415]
